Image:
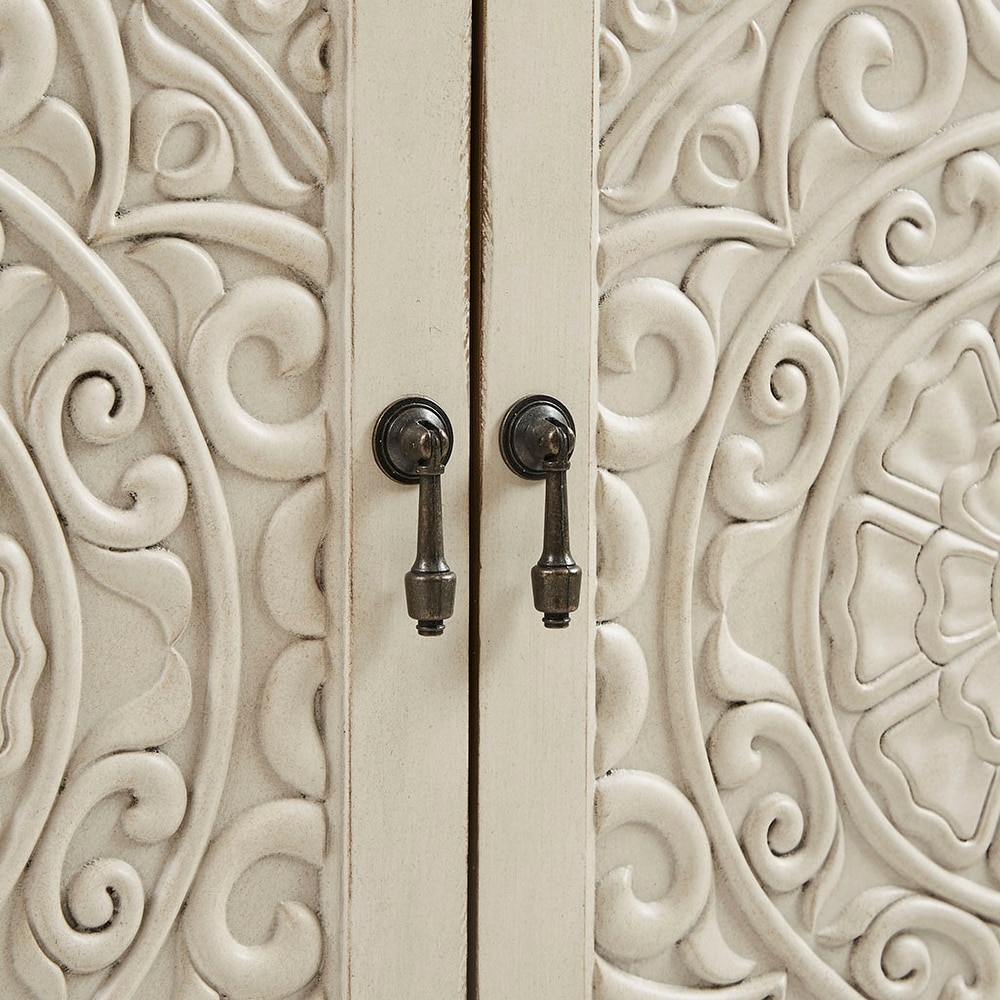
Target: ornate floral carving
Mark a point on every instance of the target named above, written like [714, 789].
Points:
[162, 180]
[815, 184]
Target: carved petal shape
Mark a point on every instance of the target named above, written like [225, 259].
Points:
[288, 561]
[290, 958]
[288, 729]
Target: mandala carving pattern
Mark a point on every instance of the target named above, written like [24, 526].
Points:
[798, 531]
[165, 291]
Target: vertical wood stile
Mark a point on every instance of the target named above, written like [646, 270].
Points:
[406, 701]
[538, 335]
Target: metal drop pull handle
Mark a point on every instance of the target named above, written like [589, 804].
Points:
[537, 438]
[412, 443]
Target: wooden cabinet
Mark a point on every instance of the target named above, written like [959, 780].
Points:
[753, 246]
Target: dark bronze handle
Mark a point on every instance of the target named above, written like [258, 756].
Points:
[537, 438]
[412, 444]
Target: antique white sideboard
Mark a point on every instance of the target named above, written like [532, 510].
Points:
[752, 247]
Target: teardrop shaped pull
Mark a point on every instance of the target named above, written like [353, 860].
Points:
[537, 438]
[412, 444]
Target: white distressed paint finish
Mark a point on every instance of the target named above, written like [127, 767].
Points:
[408, 695]
[797, 501]
[538, 335]
[163, 169]
[208, 293]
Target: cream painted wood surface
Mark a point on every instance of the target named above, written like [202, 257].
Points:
[535, 687]
[797, 502]
[232, 233]
[408, 695]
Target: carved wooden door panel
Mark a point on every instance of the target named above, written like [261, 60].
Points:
[232, 233]
[798, 512]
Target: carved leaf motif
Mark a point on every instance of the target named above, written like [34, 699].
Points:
[709, 276]
[814, 152]
[57, 133]
[288, 706]
[32, 302]
[615, 65]
[738, 547]
[859, 287]
[309, 53]
[291, 956]
[168, 64]
[622, 693]
[860, 912]
[707, 108]
[736, 675]
[288, 561]
[148, 720]
[825, 324]
[248, 70]
[708, 954]
[855, 44]
[94, 28]
[191, 277]
[156, 115]
[629, 243]
[29, 59]
[622, 546]
[646, 107]
[983, 21]
[154, 579]
[820, 889]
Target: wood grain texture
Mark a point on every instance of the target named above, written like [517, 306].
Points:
[408, 695]
[538, 336]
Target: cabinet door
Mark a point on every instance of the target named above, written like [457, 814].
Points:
[535, 691]
[796, 505]
[232, 233]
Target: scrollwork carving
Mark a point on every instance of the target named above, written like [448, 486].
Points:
[92, 925]
[292, 319]
[630, 311]
[119, 362]
[894, 237]
[786, 842]
[792, 373]
[821, 673]
[100, 385]
[290, 958]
